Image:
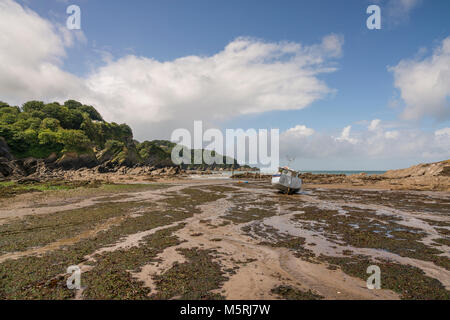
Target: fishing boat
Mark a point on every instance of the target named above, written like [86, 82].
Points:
[287, 180]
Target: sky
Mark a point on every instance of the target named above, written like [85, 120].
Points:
[343, 97]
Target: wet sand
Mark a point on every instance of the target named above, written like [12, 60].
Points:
[253, 239]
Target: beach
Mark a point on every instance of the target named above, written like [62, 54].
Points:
[217, 238]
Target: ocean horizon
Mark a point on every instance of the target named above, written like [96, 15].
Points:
[346, 172]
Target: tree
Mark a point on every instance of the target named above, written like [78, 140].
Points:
[3, 104]
[48, 137]
[73, 140]
[92, 112]
[51, 124]
[33, 106]
[72, 104]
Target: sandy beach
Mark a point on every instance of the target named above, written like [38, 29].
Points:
[207, 238]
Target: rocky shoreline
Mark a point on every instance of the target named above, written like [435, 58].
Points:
[72, 166]
[432, 176]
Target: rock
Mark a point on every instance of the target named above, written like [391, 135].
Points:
[119, 154]
[4, 150]
[75, 161]
[51, 158]
[29, 165]
[10, 169]
[441, 168]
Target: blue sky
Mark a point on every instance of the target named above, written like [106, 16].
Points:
[362, 88]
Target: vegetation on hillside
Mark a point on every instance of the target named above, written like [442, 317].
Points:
[38, 130]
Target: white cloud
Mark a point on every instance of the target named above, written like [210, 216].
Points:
[425, 84]
[401, 143]
[31, 51]
[345, 136]
[300, 131]
[154, 97]
[248, 76]
[374, 124]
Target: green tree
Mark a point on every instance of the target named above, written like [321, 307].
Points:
[73, 140]
[51, 124]
[48, 137]
[3, 104]
[33, 106]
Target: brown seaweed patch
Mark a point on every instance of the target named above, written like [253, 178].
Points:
[38, 230]
[365, 229]
[111, 277]
[192, 280]
[409, 281]
[290, 293]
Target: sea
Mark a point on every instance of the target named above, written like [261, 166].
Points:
[346, 172]
[227, 174]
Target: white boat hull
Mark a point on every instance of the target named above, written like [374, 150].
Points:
[287, 184]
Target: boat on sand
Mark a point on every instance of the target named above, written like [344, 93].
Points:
[287, 180]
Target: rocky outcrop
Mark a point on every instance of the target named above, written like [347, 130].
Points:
[76, 161]
[435, 169]
[4, 150]
[251, 176]
[433, 176]
[9, 167]
[117, 154]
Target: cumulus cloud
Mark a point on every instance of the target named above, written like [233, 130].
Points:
[424, 84]
[381, 143]
[300, 131]
[345, 136]
[247, 76]
[31, 52]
